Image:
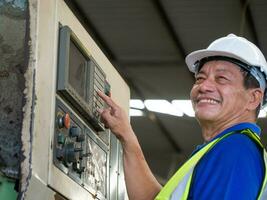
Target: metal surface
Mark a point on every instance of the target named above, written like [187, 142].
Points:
[113, 168]
[84, 160]
[39, 175]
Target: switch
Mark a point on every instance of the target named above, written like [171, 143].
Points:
[107, 88]
[60, 138]
[64, 121]
[71, 154]
[74, 131]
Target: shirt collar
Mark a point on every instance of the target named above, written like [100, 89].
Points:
[244, 125]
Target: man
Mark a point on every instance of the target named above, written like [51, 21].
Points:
[227, 95]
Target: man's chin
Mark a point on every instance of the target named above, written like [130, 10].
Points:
[205, 116]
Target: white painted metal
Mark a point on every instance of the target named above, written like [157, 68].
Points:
[45, 18]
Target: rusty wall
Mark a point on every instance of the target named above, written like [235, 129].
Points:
[13, 64]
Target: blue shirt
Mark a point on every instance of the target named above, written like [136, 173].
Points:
[232, 170]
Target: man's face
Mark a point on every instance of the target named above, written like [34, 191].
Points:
[218, 94]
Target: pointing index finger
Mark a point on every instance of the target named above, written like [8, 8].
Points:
[107, 99]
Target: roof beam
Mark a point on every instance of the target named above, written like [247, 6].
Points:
[150, 63]
[246, 12]
[167, 22]
[90, 28]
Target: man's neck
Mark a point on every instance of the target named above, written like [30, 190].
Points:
[212, 129]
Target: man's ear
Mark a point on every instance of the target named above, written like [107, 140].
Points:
[256, 95]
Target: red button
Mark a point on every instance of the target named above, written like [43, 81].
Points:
[66, 120]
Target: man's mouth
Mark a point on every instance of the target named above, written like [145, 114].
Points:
[208, 100]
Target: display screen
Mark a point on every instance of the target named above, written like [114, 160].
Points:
[79, 78]
[77, 70]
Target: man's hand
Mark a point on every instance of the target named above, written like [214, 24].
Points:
[140, 182]
[115, 118]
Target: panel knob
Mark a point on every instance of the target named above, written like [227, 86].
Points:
[76, 132]
[71, 154]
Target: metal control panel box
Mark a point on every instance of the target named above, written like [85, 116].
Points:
[81, 142]
[68, 153]
[79, 77]
[80, 153]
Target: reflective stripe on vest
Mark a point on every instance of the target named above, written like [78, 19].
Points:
[177, 188]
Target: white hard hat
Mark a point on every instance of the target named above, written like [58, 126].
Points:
[237, 48]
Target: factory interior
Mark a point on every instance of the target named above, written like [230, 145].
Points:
[56, 55]
[147, 42]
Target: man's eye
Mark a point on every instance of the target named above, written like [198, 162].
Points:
[199, 79]
[222, 78]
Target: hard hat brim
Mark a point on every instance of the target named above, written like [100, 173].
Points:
[195, 56]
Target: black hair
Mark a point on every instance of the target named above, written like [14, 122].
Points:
[249, 83]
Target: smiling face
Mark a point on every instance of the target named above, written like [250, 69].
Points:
[218, 94]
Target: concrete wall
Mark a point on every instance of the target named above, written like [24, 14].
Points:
[13, 64]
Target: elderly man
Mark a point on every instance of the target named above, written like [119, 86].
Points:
[229, 90]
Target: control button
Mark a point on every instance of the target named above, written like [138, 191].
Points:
[71, 154]
[74, 131]
[64, 121]
[60, 138]
[107, 89]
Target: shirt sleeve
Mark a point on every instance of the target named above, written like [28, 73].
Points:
[232, 170]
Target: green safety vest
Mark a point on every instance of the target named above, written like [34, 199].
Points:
[180, 182]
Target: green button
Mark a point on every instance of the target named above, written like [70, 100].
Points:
[60, 138]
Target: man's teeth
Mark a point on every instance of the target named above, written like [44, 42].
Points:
[211, 101]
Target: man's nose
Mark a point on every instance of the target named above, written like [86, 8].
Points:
[207, 85]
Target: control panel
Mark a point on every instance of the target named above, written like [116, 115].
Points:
[80, 77]
[81, 142]
[79, 152]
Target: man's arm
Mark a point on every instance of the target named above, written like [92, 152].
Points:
[140, 182]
